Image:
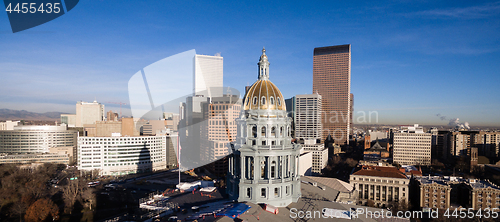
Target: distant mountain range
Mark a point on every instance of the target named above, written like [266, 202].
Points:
[9, 114]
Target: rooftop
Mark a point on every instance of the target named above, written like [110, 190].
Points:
[482, 184]
[333, 183]
[377, 171]
[313, 199]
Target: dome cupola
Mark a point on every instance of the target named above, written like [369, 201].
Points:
[263, 94]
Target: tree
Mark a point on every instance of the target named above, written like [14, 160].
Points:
[396, 164]
[370, 203]
[438, 165]
[88, 197]
[95, 173]
[41, 210]
[351, 162]
[70, 194]
[403, 205]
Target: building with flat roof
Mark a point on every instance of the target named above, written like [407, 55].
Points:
[308, 129]
[34, 158]
[123, 155]
[89, 113]
[332, 80]
[460, 143]
[432, 192]
[308, 124]
[482, 194]
[208, 73]
[8, 125]
[37, 139]
[320, 155]
[488, 143]
[69, 119]
[412, 146]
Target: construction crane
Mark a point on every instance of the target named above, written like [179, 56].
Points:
[120, 103]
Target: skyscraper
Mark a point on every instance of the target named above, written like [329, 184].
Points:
[308, 128]
[89, 113]
[332, 80]
[208, 73]
[308, 123]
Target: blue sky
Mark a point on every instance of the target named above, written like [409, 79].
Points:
[411, 60]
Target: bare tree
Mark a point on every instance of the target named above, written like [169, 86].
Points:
[70, 194]
[89, 198]
[96, 173]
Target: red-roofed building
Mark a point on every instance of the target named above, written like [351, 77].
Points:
[380, 184]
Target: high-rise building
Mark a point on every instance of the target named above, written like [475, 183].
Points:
[332, 80]
[460, 143]
[208, 73]
[69, 119]
[308, 124]
[89, 113]
[222, 113]
[220, 120]
[172, 120]
[308, 129]
[290, 109]
[488, 143]
[412, 146]
[111, 116]
[264, 166]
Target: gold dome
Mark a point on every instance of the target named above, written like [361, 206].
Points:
[264, 95]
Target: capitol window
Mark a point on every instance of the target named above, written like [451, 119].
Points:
[273, 169]
[255, 100]
[263, 101]
[271, 100]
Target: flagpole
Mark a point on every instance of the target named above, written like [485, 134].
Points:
[179, 157]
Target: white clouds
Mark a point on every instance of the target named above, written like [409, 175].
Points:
[472, 12]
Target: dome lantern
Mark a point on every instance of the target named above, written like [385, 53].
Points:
[263, 94]
[263, 65]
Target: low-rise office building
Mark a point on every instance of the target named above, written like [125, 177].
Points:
[382, 185]
[34, 158]
[37, 139]
[412, 146]
[123, 155]
[319, 157]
